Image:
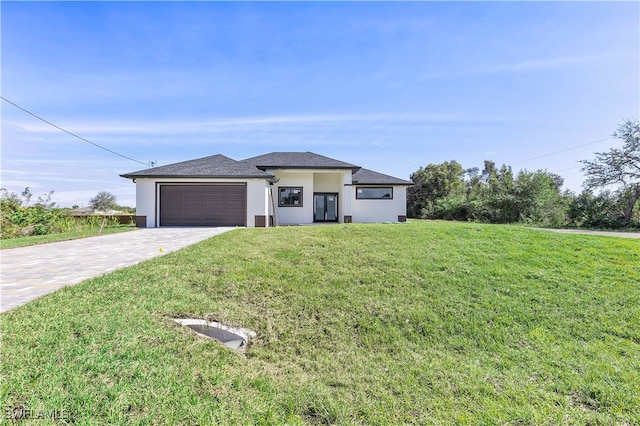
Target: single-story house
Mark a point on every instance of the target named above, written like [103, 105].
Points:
[284, 188]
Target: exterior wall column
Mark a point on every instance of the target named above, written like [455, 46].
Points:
[347, 195]
[257, 203]
[146, 202]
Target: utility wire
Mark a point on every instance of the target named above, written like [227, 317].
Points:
[72, 134]
[564, 170]
[563, 150]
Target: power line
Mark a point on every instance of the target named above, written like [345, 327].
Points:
[564, 170]
[563, 150]
[72, 134]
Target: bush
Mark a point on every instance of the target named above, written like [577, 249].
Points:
[604, 210]
[42, 218]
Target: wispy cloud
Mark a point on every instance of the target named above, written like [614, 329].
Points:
[537, 64]
[246, 123]
[73, 181]
[48, 171]
[524, 65]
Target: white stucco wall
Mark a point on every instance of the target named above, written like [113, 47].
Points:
[327, 182]
[311, 181]
[294, 215]
[148, 199]
[334, 181]
[257, 201]
[347, 195]
[385, 210]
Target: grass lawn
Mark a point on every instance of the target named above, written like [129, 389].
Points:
[52, 238]
[427, 323]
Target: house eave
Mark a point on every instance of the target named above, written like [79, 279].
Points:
[196, 177]
[379, 184]
[263, 168]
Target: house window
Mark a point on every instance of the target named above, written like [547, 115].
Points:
[290, 197]
[369, 193]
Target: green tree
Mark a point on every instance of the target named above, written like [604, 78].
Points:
[103, 202]
[501, 196]
[495, 195]
[595, 211]
[539, 198]
[618, 166]
[434, 182]
[490, 195]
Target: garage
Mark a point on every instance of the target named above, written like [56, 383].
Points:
[203, 205]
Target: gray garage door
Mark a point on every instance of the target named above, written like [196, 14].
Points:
[203, 205]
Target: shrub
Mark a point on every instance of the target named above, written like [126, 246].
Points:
[42, 218]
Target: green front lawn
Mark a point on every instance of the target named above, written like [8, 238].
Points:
[63, 236]
[426, 323]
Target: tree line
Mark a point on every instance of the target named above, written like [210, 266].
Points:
[498, 195]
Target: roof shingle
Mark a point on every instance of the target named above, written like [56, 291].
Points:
[211, 167]
[297, 160]
[219, 166]
[369, 177]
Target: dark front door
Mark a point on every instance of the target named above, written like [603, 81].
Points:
[325, 207]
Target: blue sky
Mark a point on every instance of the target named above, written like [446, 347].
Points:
[388, 86]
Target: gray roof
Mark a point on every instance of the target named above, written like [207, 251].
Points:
[215, 166]
[297, 160]
[369, 177]
[219, 166]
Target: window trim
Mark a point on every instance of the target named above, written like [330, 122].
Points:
[300, 188]
[359, 197]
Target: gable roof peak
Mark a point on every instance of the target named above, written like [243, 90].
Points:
[298, 160]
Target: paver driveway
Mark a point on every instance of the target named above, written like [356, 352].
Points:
[601, 233]
[30, 272]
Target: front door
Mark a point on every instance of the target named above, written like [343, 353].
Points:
[325, 207]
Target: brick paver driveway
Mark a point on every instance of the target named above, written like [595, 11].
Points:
[30, 272]
[600, 233]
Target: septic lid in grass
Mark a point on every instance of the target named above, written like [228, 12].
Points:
[234, 338]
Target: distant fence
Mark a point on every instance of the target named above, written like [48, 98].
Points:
[123, 219]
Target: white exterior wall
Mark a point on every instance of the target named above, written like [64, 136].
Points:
[331, 181]
[257, 201]
[385, 210]
[327, 182]
[311, 181]
[347, 194]
[294, 215]
[148, 198]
